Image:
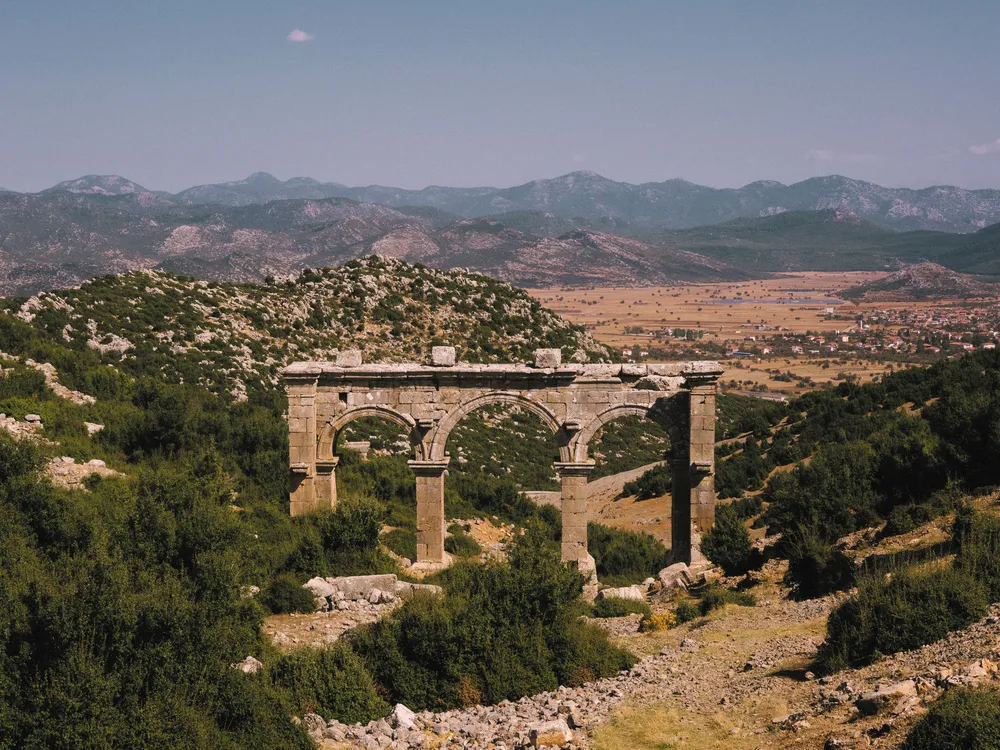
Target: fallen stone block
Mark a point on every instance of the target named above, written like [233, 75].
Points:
[360, 587]
[349, 358]
[632, 593]
[674, 576]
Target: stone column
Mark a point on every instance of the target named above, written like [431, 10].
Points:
[680, 504]
[302, 443]
[325, 484]
[430, 512]
[702, 455]
[573, 477]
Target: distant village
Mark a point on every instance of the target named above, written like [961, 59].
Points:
[901, 334]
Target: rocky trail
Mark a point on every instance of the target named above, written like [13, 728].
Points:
[737, 679]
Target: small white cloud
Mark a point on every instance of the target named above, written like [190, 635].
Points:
[993, 147]
[298, 35]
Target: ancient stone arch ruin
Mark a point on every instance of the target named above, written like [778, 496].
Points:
[574, 400]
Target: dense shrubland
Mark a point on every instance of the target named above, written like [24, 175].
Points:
[501, 632]
[123, 607]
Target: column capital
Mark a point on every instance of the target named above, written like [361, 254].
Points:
[704, 387]
[327, 465]
[429, 468]
[574, 468]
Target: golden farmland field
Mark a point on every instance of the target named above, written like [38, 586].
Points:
[729, 313]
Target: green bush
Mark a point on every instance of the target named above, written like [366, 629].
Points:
[908, 609]
[905, 518]
[402, 541]
[978, 540]
[961, 719]
[461, 544]
[728, 543]
[332, 682]
[502, 631]
[615, 607]
[687, 610]
[653, 483]
[285, 594]
[624, 557]
[715, 596]
[701, 602]
[816, 568]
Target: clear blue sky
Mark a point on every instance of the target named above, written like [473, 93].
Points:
[173, 93]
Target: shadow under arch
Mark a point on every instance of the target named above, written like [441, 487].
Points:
[439, 438]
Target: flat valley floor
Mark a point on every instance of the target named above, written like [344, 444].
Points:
[730, 313]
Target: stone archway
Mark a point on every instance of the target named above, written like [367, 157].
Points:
[325, 481]
[573, 400]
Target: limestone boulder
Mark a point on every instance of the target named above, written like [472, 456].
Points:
[250, 665]
[401, 717]
[314, 724]
[551, 734]
[885, 698]
[320, 588]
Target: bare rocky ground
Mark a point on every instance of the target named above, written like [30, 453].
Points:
[737, 679]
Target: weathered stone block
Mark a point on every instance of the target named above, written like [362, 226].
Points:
[546, 358]
[674, 575]
[443, 356]
[632, 593]
[358, 587]
[349, 358]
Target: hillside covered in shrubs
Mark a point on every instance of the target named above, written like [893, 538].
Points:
[235, 337]
[125, 603]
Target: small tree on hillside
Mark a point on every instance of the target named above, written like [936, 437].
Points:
[728, 543]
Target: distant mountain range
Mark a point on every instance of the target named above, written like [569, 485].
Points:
[60, 238]
[607, 204]
[107, 224]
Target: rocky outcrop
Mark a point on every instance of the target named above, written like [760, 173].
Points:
[66, 472]
[348, 592]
